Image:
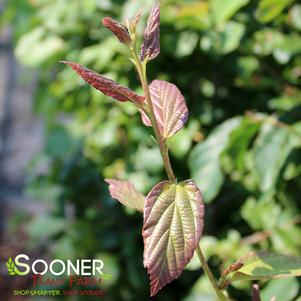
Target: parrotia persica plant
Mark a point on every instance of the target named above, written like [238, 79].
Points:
[173, 212]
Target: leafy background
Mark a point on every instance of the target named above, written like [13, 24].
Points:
[238, 64]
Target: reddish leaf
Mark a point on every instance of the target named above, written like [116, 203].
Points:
[173, 225]
[118, 29]
[232, 268]
[125, 193]
[170, 108]
[151, 42]
[105, 85]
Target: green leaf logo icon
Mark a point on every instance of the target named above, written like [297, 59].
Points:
[11, 268]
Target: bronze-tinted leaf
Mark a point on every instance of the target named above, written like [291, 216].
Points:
[105, 85]
[172, 228]
[118, 29]
[125, 193]
[151, 41]
[233, 267]
[169, 106]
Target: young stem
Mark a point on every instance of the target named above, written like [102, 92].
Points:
[209, 274]
[161, 141]
[165, 157]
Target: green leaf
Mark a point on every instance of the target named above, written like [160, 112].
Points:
[60, 141]
[186, 44]
[147, 159]
[294, 17]
[289, 46]
[108, 48]
[181, 143]
[193, 15]
[263, 213]
[231, 36]
[201, 291]
[172, 228]
[126, 194]
[283, 289]
[264, 266]
[285, 102]
[239, 142]
[204, 160]
[266, 40]
[45, 226]
[271, 150]
[270, 9]
[38, 47]
[224, 40]
[223, 10]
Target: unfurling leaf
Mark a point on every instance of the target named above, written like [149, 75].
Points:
[151, 41]
[264, 266]
[118, 29]
[172, 228]
[233, 267]
[169, 106]
[125, 193]
[106, 85]
[136, 19]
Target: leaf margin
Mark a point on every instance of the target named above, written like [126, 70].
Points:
[140, 198]
[151, 199]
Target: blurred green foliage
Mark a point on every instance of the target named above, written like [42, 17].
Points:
[238, 63]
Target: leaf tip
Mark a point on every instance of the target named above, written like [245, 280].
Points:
[154, 290]
[186, 198]
[151, 43]
[126, 194]
[118, 29]
[72, 65]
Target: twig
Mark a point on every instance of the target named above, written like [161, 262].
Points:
[255, 293]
